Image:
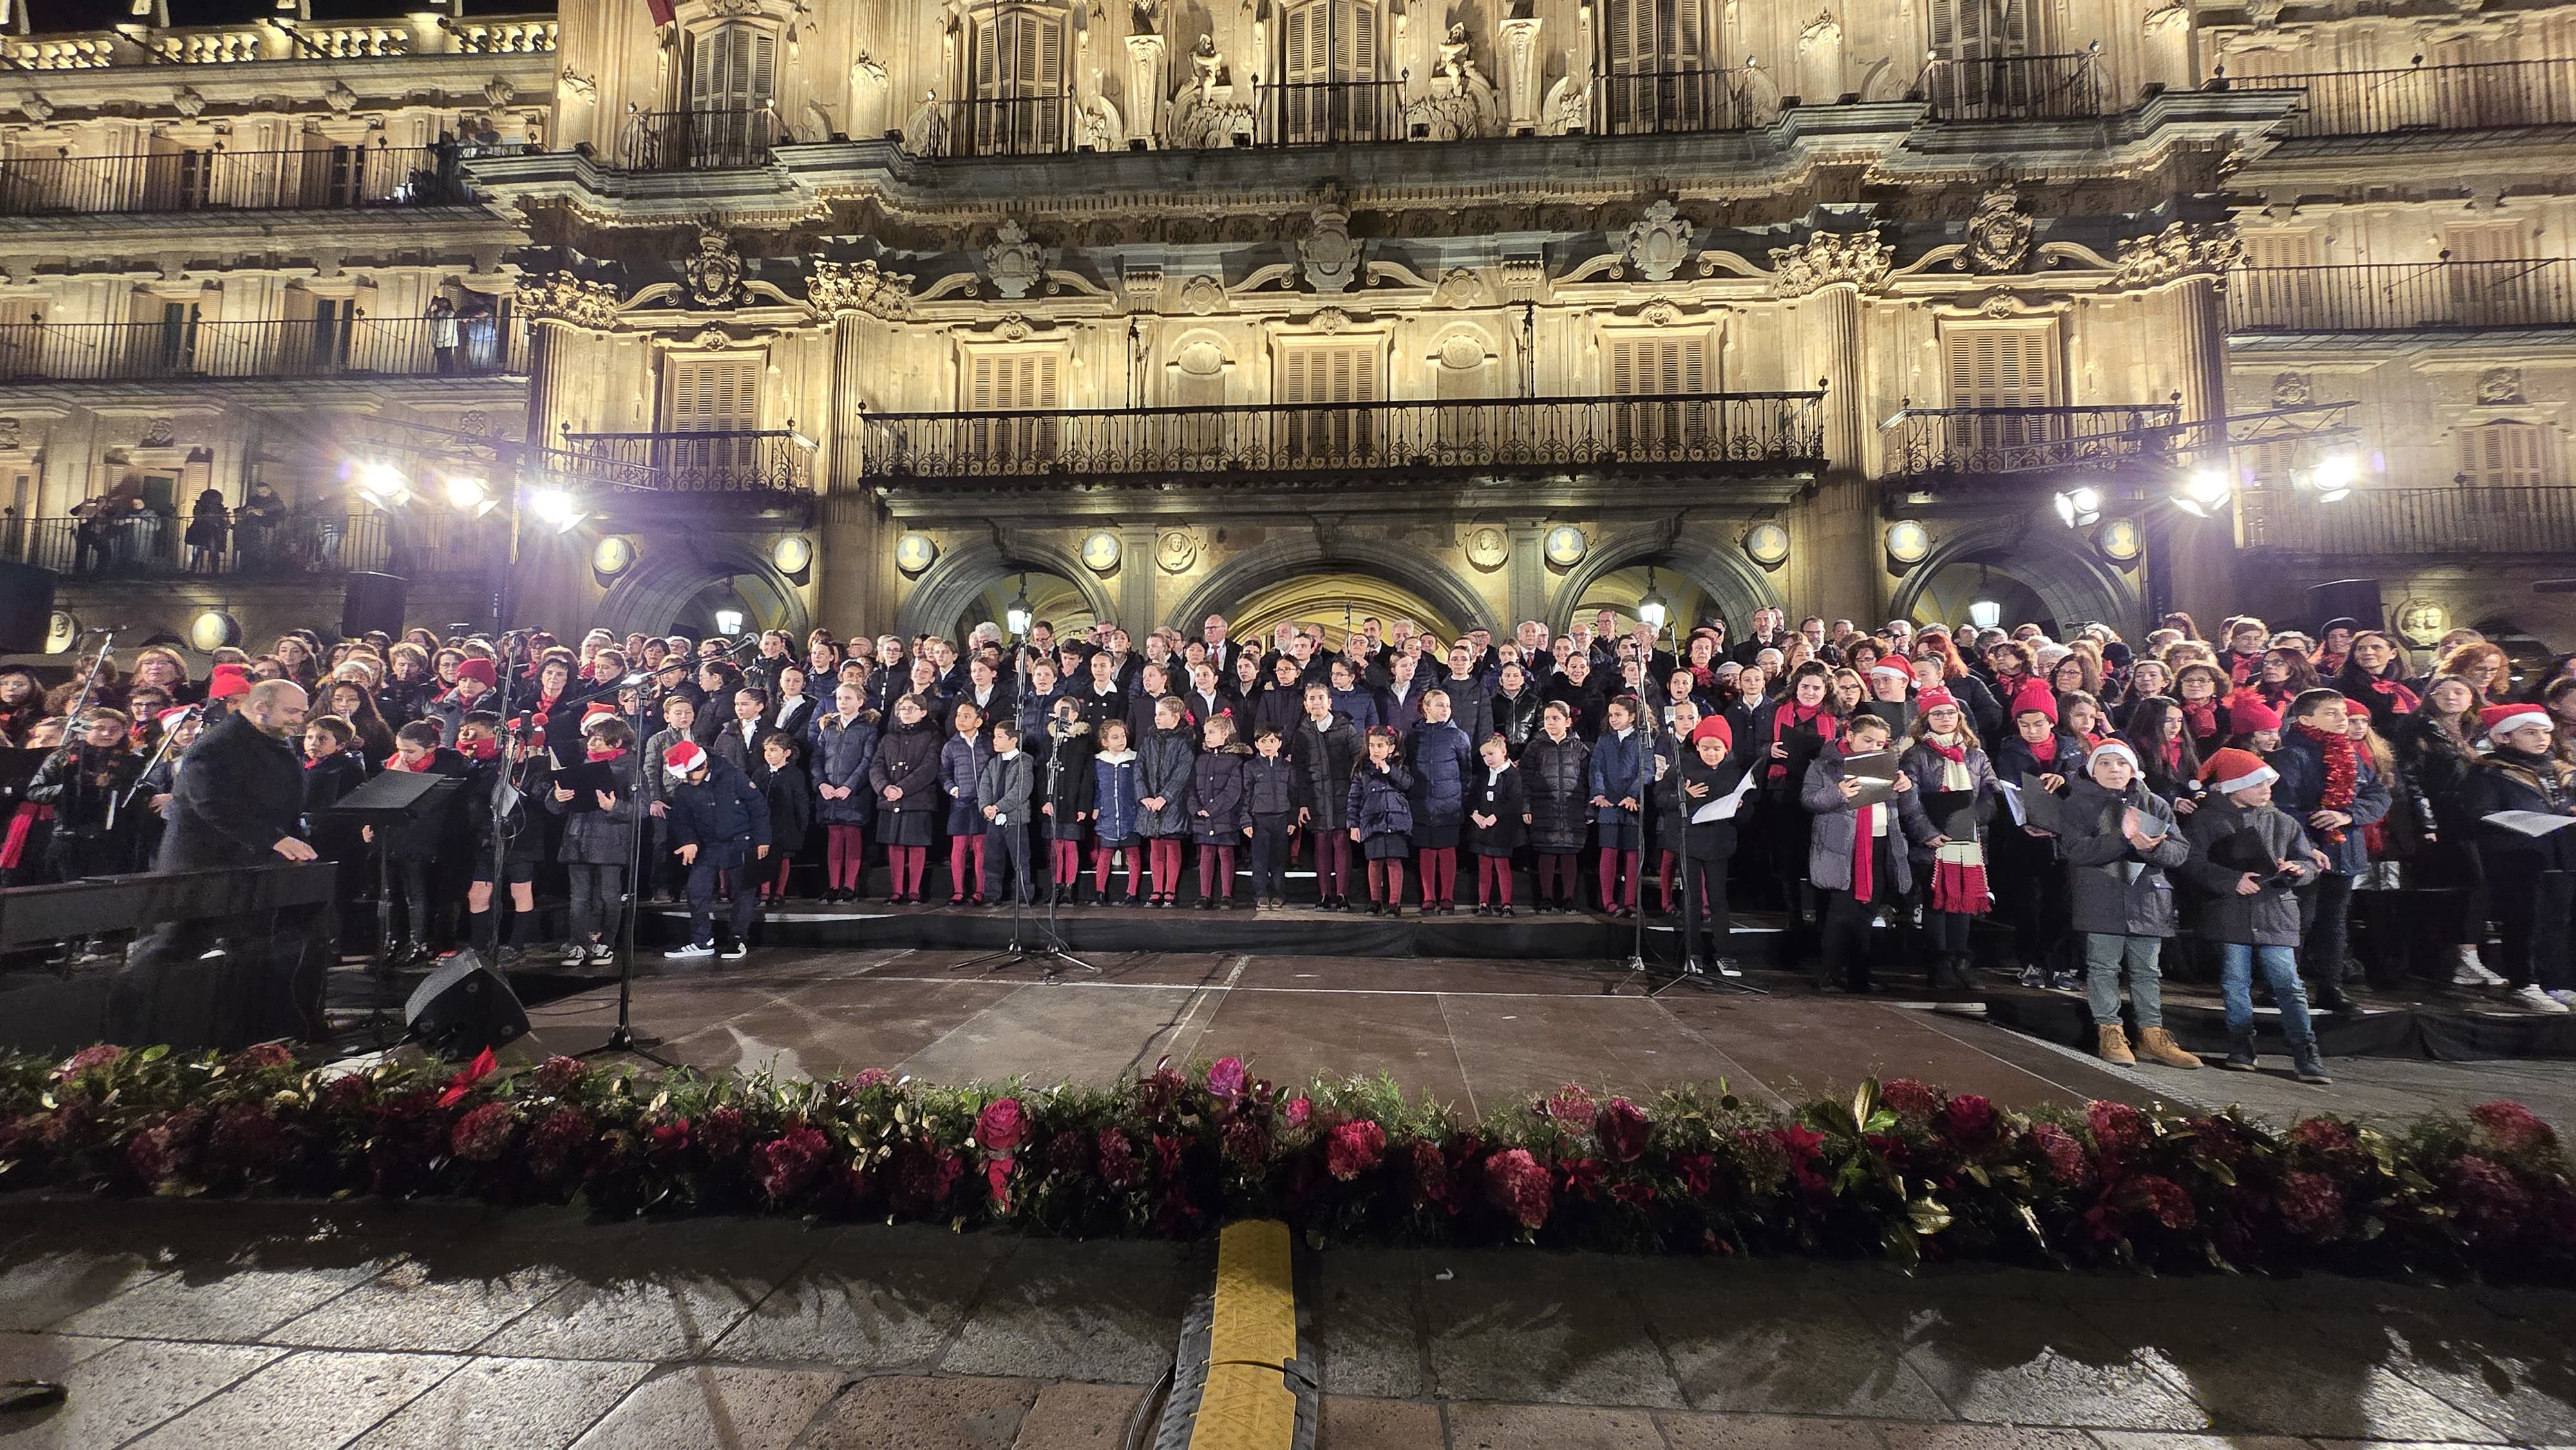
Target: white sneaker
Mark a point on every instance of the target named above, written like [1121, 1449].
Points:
[2539, 1001]
[693, 951]
[601, 951]
[734, 952]
[575, 955]
[2472, 972]
[2563, 997]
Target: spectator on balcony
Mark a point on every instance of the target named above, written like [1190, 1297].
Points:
[482, 334]
[445, 337]
[208, 522]
[256, 525]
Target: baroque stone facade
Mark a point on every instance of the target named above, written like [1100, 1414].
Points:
[1479, 318]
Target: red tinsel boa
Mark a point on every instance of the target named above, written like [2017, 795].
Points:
[2343, 773]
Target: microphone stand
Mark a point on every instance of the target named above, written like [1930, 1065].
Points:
[622, 1038]
[1691, 973]
[89, 682]
[1051, 948]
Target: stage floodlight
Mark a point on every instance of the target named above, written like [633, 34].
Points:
[557, 509]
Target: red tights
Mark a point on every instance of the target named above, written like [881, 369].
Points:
[1664, 880]
[906, 864]
[845, 856]
[1100, 854]
[1386, 880]
[1216, 871]
[1439, 866]
[1166, 854]
[1066, 869]
[1494, 879]
[1613, 864]
[965, 854]
[1332, 864]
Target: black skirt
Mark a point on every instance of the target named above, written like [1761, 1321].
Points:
[1386, 846]
[904, 828]
[1434, 838]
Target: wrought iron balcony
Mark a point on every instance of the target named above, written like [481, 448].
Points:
[1971, 443]
[775, 460]
[1721, 98]
[2013, 87]
[2402, 296]
[332, 178]
[148, 545]
[465, 346]
[2461, 519]
[701, 140]
[2493, 95]
[1748, 433]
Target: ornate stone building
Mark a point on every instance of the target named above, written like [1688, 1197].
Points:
[881, 316]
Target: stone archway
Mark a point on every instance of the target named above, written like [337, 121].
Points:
[674, 570]
[964, 573]
[1243, 575]
[1717, 569]
[2055, 564]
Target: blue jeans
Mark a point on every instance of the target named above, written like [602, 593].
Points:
[2236, 963]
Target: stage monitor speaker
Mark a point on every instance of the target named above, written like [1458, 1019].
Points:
[2345, 599]
[463, 1008]
[373, 601]
[26, 607]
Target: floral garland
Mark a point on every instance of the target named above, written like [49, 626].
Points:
[1904, 1171]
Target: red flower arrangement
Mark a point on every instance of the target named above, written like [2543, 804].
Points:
[1907, 1171]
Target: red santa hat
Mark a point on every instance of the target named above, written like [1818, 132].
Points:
[1892, 671]
[2246, 712]
[227, 681]
[683, 759]
[2035, 697]
[2502, 720]
[2231, 770]
[599, 713]
[1713, 727]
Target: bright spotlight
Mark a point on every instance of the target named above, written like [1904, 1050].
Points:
[556, 509]
[383, 485]
[466, 492]
[2334, 477]
[2079, 507]
[2204, 493]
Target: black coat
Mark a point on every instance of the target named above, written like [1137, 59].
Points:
[1514, 717]
[1557, 786]
[1327, 754]
[1273, 785]
[239, 796]
[593, 837]
[725, 816]
[790, 795]
[908, 760]
[1220, 804]
[1500, 797]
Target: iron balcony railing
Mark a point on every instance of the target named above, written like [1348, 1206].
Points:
[1039, 125]
[314, 179]
[2462, 519]
[2402, 296]
[765, 461]
[2489, 95]
[1325, 113]
[1987, 442]
[1749, 432]
[2013, 87]
[1724, 98]
[480, 344]
[701, 140]
[149, 545]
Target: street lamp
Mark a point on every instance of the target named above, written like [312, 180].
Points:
[1985, 613]
[1020, 616]
[1653, 608]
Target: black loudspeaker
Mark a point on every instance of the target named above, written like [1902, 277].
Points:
[464, 1008]
[2345, 599]
[26, 607]
[373, 601]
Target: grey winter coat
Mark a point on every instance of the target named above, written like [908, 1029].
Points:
[593, 837]
[1829, 842]
[1165, 761]
[1925, 766]
[842, 754]
[2270, 917]
[2116, 890]
[1328, 754]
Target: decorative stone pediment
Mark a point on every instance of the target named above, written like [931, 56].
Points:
[1998, 234]
[1658, 243]
[858, 287]
[1829, 257]
[188, 102]
[2183, 249]
[563, 297]
[1015, 265]
[340, 98]
[714, 271]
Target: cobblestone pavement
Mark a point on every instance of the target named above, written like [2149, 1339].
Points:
[283, 1326]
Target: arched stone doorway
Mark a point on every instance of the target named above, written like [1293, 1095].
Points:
[1404, 579]
[683, 584]
[1697, 576]
[972, 583]
[1338, 602]
[2052, 580]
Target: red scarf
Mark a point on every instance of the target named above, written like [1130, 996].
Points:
[599, 756]
[396, 763]
[1864, 860]
[1955, 754]
[2173, 756]
[22, 824]
[2043, 751]
[484, 749]
[2202, 717]
[2241, 668]
[2343, 773]
[1790, 714]
[2328, 665]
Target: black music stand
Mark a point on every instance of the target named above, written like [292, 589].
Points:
[393, 800]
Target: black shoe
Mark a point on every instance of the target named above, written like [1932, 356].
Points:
[1376, 908]
[1132, 900]
[1502, 910]
[1483, 910]
[1541, 908]
[1207, 903]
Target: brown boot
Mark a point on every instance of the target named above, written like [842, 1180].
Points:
[2157, 1043]
[2115, 1045]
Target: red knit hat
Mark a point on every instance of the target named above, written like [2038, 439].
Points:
[2247, 712]
[2505, 719]
[1936, 697]
[227, 681]
[480, 671]
[1713, 727]
[2232, 770]
[2035, 697]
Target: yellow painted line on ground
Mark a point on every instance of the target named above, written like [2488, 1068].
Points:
[1247, 1404]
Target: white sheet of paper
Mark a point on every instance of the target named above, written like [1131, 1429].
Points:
[1724, 807]
[2530, 823]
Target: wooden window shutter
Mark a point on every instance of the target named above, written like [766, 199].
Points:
[1360, 51]
[2502, 455]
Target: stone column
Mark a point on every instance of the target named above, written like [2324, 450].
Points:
[1145, 92]
[1525, 576]
[1136, 578]
[2190, 563]
[1835, 570]
[852, 586]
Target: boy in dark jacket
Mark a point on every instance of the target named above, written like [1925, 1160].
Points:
[784, 785]
[1497, 823]
[1219, 817]
[2530, 878]
[2253, 914]
[2118, 842]
[1003, 793]
[719, 826]
[1443, 757]
[414, 853]
[1273, 789]
[1064, 795]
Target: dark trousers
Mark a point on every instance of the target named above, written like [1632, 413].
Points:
[2535, 912]
[1006, 859]
[595, 900]
[2325, 918]
[415, 877]
[1707, 925]
[1270, 857]
[1847, 919]
[743, 882]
